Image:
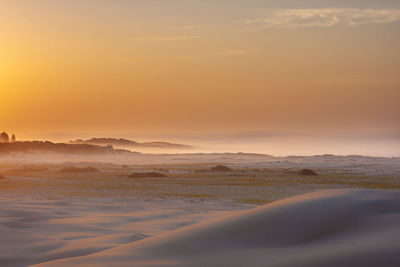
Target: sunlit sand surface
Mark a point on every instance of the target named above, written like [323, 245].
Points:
[329, 228]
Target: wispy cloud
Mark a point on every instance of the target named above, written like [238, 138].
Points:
[166, 38]
[325, 17]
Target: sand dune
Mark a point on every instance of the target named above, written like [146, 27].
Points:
[329, 228]
[41, 230]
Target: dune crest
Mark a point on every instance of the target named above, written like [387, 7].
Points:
[327, 228]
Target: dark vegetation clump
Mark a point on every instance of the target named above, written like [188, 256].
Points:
[27, 169]
[147, 175]
[4, 137]
[308, 172]
[221, 168]
[73, 169]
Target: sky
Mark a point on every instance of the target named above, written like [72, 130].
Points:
[200, 68]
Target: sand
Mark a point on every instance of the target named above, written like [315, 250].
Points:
[34, 231]
[106, 219]
[328, 228]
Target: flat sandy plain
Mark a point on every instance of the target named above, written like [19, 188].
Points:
[48, 215]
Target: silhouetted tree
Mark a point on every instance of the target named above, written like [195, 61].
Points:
[13, 138]
[4, 137]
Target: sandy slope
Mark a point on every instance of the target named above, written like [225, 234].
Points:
[34, 231]
[329, 228]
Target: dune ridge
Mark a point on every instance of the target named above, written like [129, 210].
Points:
[61, 148]
[327, 228]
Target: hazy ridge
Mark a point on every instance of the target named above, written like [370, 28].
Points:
[126, 143]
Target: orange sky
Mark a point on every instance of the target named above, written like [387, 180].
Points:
[199, 66]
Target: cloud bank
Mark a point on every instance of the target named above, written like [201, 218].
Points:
[325, 17]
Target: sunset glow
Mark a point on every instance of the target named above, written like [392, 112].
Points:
[199, 66]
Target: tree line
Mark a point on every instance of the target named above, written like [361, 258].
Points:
[4, 138]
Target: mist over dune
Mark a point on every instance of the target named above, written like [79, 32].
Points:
[129, 144]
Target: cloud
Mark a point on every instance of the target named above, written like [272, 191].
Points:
[325, 17]
[166, 38]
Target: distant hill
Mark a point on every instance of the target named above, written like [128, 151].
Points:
[126, 143]
[46, 146]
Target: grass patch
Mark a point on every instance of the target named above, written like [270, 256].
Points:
[185, 195]
[366, 184]
[254, 201]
